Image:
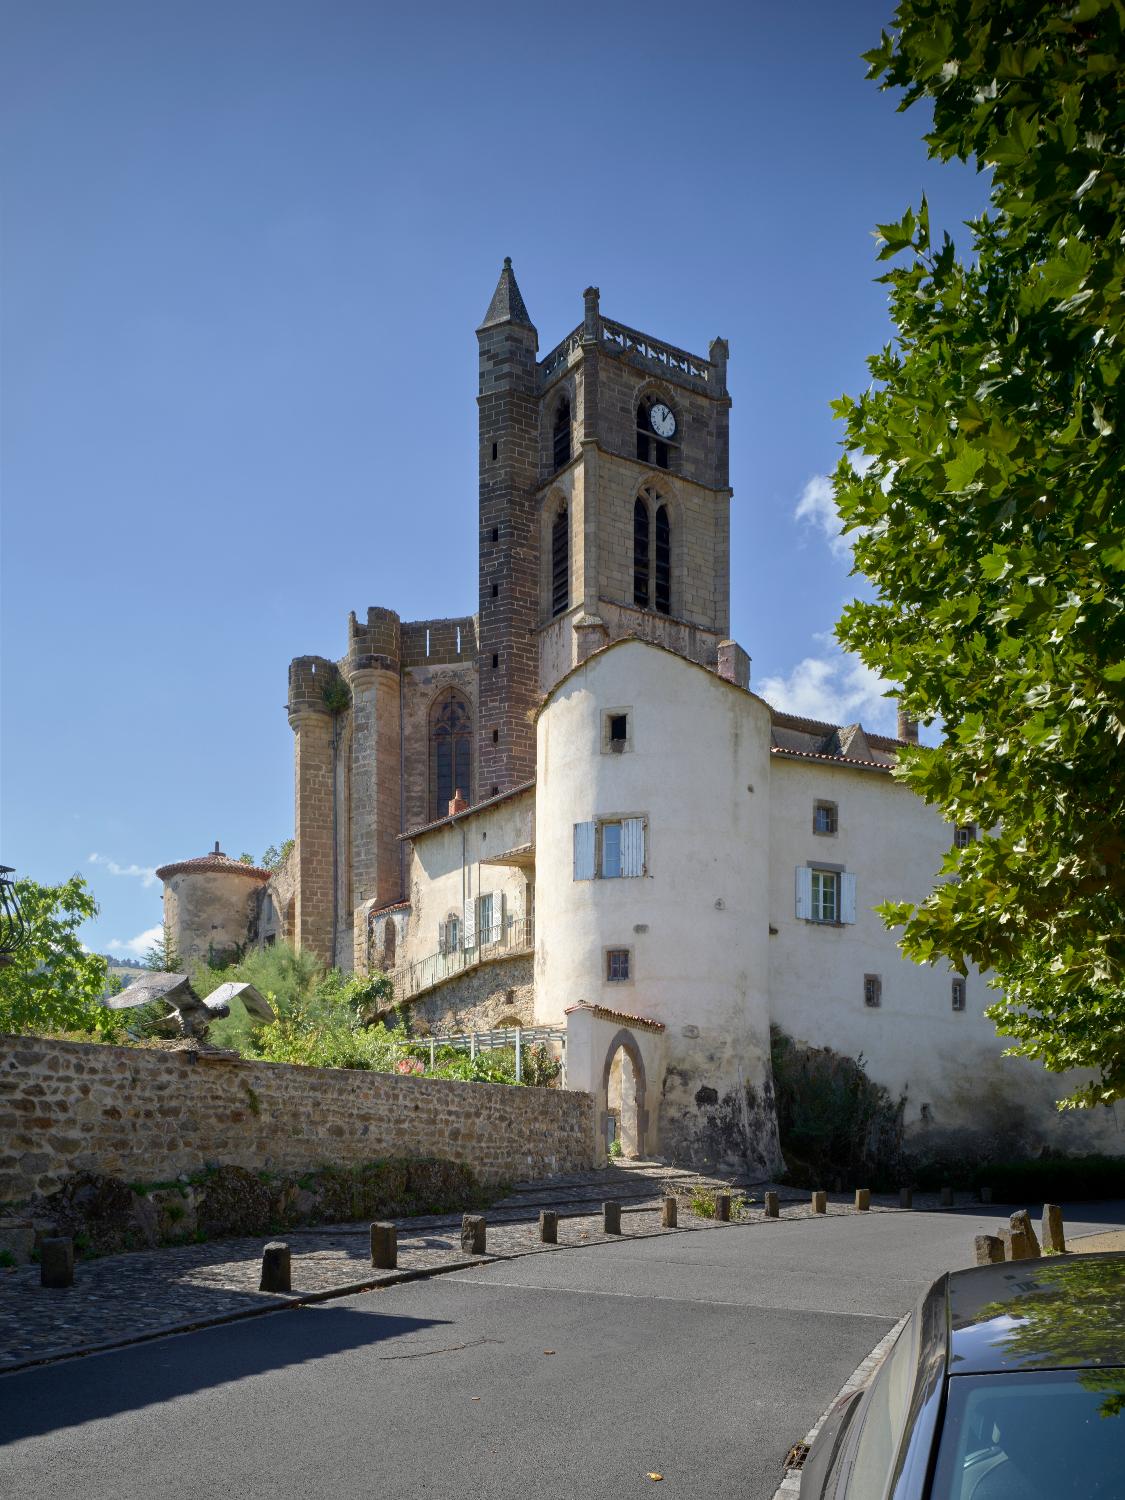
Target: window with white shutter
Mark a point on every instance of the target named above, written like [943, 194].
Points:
[804, 892]
[825, 895]
[584, 839]
[443, 937]
[471, 925]
[633, 847]
[484, 919]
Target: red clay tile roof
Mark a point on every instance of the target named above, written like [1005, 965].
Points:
[214, 861]
[646, 1022]
[515, 791]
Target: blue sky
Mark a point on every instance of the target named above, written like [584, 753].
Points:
[245, 249]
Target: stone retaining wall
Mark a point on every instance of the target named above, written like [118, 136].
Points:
[148, 1116]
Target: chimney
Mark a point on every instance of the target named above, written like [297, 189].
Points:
[457, 803]
[907, 727]
[734, 664]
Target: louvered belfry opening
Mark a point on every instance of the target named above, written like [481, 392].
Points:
[451, 751]
[662, 569]
[640, 553]
[560, 440]
[560, 562]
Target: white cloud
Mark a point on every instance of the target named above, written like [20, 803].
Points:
[836, 688]
[136, 947]
[146, 874]
[817, 507]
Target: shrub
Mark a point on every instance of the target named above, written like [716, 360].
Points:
[832, 1119]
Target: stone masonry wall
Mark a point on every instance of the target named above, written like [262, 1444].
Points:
[479, 999]
[148, 1115]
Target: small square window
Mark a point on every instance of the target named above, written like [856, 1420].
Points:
[495, 590]
[958, 994]
[964, 836]
[824, 817]
[495, 660]
[495, 736]
[616, 965]
[496, 533]
[617, 730]
[872, 990]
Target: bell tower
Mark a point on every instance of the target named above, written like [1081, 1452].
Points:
[509, 550]
[633, 497]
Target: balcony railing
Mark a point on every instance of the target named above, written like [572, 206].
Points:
[502, 940]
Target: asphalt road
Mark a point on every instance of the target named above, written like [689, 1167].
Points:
[697, 1356]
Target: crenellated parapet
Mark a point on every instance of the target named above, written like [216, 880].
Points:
[311, 683]
[375, 644]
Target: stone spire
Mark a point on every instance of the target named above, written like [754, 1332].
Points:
[507, 305]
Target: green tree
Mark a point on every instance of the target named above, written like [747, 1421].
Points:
[162, 957]
[51, 983]
[275, 857]
[991, 518]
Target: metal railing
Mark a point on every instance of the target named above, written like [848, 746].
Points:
[502, 940]
[516, 1037]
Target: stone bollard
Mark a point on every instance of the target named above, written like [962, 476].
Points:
[722, 1207]
[669, 1214]
[56, 1261]
[985, 1195]
[905, 1198]
[947, 1197]
[1021, 1225]
[1053, 1237]
[820, 1202]
[276, 1268]
[772, 1210]
[611, 1218]
[862, 1200]
[473, 1234]
[384, 1247]
[548, 1226]
[988, 1249]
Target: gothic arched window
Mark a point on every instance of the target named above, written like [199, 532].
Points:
[662, 562]
[560, 562]
[451, 751]
[560, 439]
[640, 552]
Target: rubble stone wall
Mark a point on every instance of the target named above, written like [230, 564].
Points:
[150, 1115]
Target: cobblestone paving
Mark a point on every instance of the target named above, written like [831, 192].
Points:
[121, 1298]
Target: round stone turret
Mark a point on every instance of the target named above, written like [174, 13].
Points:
[209, 905]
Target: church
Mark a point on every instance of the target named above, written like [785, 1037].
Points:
[571, 810]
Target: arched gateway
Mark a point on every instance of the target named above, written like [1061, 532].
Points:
[619, 1058]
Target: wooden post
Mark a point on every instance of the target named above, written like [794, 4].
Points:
[276, 1268]
[722, 1207]
[1053, 1237]
[56, 1261]
[384, 1247]
[473, 1234]
[905, 1198]
[820, 1202]
[862, 1200]
[773, 1211]
[670, 1211]
[611, 1218]
[548, 1226]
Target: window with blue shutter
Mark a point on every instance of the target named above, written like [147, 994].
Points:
[584, 834]
[847, 898]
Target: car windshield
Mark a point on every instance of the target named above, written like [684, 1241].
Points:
[1051, 1435]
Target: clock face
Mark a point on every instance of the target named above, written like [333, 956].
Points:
[663, 422]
